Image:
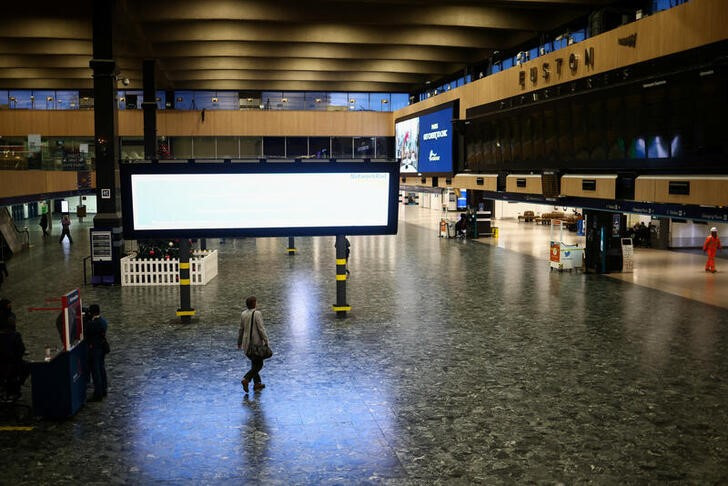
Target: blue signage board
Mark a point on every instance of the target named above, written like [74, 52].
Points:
[435, 154]
[425, 141]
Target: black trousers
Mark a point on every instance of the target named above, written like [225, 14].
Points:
[255, 366]
[65, 233]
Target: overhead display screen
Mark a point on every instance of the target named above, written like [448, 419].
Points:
[424, 144]
[258, 200]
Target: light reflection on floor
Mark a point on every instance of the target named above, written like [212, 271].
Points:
[460, 363]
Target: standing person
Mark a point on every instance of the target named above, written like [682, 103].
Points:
[95, 335]
[66, 223]
[3, 271]
[252, 332]
[44, 224]
[711, 246]
[12, 365]
[348, 252]
[7, 316]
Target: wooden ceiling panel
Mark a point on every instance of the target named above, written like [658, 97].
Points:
[343, 45]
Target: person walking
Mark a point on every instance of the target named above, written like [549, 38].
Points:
[95, 335]
[252, 333]
[66, 223]
[44, 224]
[711, 247]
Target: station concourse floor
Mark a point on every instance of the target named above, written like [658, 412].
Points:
[460, 363]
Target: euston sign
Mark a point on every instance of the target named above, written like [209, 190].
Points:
[545, 71]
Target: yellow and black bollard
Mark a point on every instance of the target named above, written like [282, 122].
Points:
[185, 311]
[291, 246]
[341, 307]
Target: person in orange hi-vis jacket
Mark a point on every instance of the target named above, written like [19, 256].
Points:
[711, 246]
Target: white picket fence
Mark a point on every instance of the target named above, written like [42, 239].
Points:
[150, 271]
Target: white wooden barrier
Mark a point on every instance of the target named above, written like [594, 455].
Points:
[154, 271]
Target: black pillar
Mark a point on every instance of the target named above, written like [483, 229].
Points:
[203, 244]
[149, 105]
[291, 246]
[185, 311]
[341, 307]
[108, 216]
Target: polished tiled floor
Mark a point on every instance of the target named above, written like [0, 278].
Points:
[461, 363]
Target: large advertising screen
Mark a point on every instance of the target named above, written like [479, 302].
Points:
[207, 200]
[424, 143]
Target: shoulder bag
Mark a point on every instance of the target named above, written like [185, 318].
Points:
[257, 351]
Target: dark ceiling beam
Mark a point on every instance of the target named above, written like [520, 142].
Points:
[309, 64]
[44, 46]
[320, 76]
[45, 28]
[459, 14]
[228, 30]
[136, 35]
[312, 50]
[56, 61]
[276, 85]
[51, 84]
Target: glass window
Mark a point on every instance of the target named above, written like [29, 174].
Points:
[4, 99]
[227, 147]
[161, 99]
[319, 147]
[205, 100]
[316, 100]
[385, 147]
[295, 100]
[296, 147]
[339, 101]
[359, 101]
[44, 100]
[67, 100]
[183, 100]
[380, 101]
[399, 100]
[270, 99]
[341, 147]
[131, 148]
[274, 147]
[226, 100]
[181, 147]
[13, 152]
[203, 147]
[364, 147]
[251, 147]
[19, 99]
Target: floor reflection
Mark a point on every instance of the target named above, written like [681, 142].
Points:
[460, 363]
